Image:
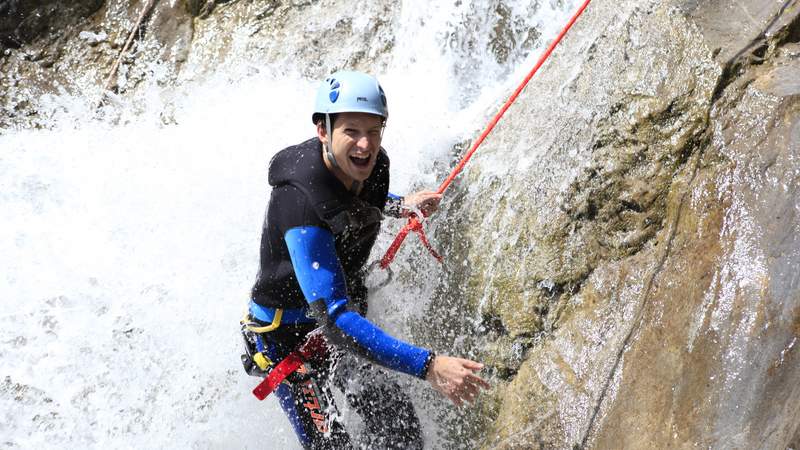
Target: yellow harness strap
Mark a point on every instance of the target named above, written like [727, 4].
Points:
[262, 360]
[276, 322]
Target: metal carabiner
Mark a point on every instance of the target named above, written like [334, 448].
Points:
[389, 275]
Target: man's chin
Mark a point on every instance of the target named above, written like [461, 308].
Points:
[360, 174]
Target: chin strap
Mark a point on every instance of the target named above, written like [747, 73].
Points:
[328, 151]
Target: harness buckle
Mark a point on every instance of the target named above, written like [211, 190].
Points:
[255, 362]
[262, 361]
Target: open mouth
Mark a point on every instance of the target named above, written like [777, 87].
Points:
[360, 161]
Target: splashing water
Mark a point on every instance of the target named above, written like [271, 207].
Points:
[129, 244]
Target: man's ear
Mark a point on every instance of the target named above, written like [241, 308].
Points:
[322, 134]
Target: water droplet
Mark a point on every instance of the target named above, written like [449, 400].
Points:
[303, 231]
[315, 265]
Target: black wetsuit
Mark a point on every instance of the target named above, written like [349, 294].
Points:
[315, 243]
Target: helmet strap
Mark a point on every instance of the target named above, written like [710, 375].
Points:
[328, 151]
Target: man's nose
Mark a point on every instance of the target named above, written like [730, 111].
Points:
[363, 142]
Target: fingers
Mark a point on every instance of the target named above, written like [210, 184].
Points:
[471, 364]
[478, 381]
[430, 204]
[428, 193]
[467, 392]
[475, 383]
[432, 198]
[456, 379]
[470, 391]
[426, 201]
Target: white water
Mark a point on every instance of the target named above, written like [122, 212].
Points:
[129, 246]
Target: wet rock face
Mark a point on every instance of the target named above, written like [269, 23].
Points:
[711, 360]
[34, 38]
[325, 36]
[51, 47]
[22, 21]
[644, 256]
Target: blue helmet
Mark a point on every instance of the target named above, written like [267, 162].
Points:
[347, 91]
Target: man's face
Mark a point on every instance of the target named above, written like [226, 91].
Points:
[356, 141]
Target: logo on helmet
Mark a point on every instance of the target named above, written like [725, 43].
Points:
[334, 94]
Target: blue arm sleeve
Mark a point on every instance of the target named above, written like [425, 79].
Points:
[313, 254]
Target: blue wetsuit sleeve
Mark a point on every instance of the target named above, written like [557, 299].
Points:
[313, 254]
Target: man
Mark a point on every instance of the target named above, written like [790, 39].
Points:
[328, 199]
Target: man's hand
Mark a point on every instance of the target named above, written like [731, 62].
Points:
[425, 201]
[456, 379]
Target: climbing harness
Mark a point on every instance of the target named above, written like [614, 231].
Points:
[255, 360]
[315, 346]
[414, 223]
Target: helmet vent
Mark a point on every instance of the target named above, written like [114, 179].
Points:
[334, 94]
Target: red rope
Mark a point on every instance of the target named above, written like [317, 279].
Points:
[414, 224]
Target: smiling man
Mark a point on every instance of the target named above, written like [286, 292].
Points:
[329, 195]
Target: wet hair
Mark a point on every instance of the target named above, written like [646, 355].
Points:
[318, 118]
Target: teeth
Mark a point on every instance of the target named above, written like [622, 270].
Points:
[361, 161]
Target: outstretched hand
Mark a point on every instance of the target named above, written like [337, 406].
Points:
[425, 201]
[456, 379]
